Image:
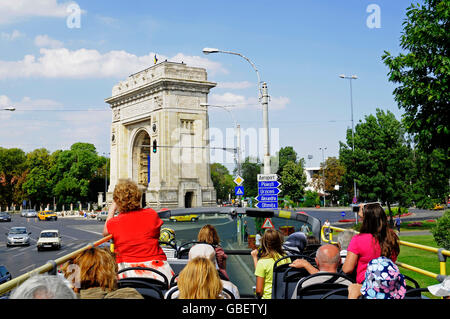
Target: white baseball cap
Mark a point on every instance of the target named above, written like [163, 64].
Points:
[442, 289]
[203, 250]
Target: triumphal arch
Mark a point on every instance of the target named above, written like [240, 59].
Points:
[159, 135]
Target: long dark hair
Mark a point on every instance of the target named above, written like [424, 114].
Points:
[375, 223]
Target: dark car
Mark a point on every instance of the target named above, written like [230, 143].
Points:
[5, 217]
[4, 275]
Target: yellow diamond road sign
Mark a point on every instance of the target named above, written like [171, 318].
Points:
[238, 180]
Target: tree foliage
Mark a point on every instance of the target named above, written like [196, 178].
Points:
[69, 176]
[293, 180]
[380, 160]
[422, 73]
[222, 181]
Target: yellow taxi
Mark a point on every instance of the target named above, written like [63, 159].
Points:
[184, 218]
[47, 215]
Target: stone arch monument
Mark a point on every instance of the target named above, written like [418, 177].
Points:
[161, 106]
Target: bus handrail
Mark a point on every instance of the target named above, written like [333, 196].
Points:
[49, 266]
[441, 252]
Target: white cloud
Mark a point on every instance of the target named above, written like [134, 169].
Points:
[43, 40]
[85, 63]
[11, 36]
[12, 10]
[240, 101]
[48, 123]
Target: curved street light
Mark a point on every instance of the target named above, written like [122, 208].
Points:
[263, 97]
[350, 78]
[9, 108]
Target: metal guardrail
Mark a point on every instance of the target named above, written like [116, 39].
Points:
[441, 253]
[50, 266]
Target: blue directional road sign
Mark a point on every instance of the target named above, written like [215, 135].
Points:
[239, 190]
[268, 191]
[269, 184]
[271, 205]
[267, 198]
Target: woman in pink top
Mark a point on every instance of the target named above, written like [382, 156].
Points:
[374, 240]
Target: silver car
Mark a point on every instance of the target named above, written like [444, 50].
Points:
[101, 216]
[29, 213]
[18, 236]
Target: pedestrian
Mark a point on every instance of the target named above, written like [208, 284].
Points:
[398, 222]
[327, 228]
[245, 231]
[258, 238]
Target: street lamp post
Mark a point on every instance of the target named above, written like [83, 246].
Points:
[238, 133]
[263, 97]
[323, 174]
[350, 78]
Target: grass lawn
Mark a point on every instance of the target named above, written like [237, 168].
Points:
[421, 259]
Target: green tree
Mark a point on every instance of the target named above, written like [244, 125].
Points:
[441, 231]
[250, 169]
[12, 170]
[73, 171]
[429, 178]
[334, 172]
[293, 180]
[37, 186]
[222, 180]
[381, 160]
[423, 72]
[285, 155]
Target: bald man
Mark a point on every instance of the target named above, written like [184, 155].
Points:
[328, 259]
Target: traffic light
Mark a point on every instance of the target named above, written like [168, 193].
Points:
[154, 146]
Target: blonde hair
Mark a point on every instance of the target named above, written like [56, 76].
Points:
[199, 279]
[96, 267]
[208, 234]
[127, 196]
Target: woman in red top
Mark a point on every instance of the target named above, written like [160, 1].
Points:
[135, 232]
[374, 240]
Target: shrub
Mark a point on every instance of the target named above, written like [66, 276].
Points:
[441, 231]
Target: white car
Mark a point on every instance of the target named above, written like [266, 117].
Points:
[49, 239]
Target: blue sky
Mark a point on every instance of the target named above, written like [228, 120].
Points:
[300, 47]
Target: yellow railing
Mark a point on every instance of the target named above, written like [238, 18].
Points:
[49, 266]
[441, 253]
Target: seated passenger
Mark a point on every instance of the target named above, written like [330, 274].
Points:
[208, 234]
[383, 280]
[203, 250]
[206, 251]
[344, 239]
[295, 243]
[93, 275]
[264, 259]
[199, 279]
[43, 287]
[327, 259]
[135, 232]
[375, 239]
